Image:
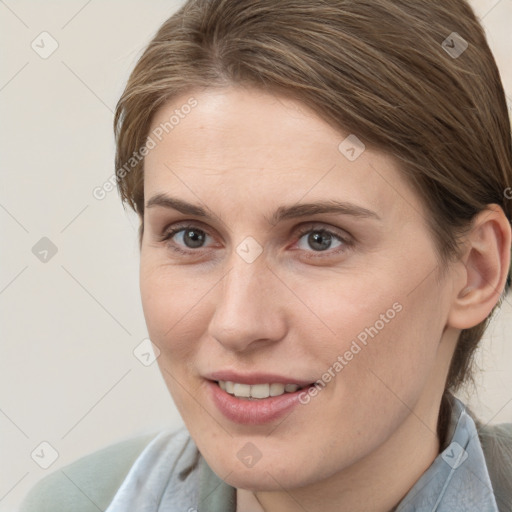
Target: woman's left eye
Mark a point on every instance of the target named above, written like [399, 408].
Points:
[321, 240]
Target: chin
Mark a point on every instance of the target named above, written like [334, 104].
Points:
[262, 479]
[270, 473]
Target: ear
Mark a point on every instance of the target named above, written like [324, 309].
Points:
[484, 264]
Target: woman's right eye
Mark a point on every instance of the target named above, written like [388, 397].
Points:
[185, 238]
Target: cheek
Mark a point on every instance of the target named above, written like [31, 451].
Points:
[399, 349]
[167, 294]
[386, 335]
[171, 305]
[337, 310]
[155, 297]
[168, 304]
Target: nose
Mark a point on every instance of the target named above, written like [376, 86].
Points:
[248, 311]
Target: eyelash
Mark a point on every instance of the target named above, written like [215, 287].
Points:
[347, 242]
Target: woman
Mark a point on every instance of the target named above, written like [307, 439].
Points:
[324, 235]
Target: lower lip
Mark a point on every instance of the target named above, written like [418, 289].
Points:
[253, 412]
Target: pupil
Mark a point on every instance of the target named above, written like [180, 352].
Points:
[319, 240]
[194, 238]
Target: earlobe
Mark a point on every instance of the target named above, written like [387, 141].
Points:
[485, 262]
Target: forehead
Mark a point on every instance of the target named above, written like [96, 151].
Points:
[261, 149]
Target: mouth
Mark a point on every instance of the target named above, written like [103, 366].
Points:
[258, 391]
[257, 403]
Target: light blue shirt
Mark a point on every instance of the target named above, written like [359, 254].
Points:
[458, 479]
[170, 474]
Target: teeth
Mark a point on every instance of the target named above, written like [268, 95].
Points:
[260, 390]
[256, 390]
[276, 389]
[243, 390]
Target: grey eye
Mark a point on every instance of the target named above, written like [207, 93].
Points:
[319, 240]
[192, 238]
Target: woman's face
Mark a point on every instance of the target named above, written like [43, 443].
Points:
[297, 257]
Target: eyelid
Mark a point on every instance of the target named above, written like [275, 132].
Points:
[174, 227]
[321, 226]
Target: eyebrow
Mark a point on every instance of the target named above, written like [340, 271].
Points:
[282, 213]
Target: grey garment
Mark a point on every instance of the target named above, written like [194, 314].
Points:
[496, 442]
[170, 475]
[89, 483]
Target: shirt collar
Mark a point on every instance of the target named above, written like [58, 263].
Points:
[458, 479]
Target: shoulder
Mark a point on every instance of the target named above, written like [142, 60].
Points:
[496, 441]
[89, 483]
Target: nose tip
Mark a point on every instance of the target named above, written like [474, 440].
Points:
[247, 308]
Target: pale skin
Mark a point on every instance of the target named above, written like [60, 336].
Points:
[364, 441]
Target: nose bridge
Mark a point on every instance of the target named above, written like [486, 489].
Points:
[246, 309]
[242, 285]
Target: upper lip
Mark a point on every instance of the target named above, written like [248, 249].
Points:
[255, 378]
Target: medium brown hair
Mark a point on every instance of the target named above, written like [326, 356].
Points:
[380, 69]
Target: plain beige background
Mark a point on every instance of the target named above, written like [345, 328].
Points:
[71, 324]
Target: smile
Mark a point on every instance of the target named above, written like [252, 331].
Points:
[257, 391]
